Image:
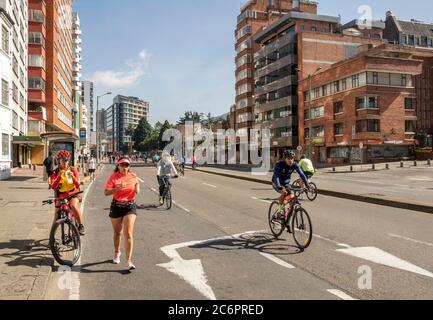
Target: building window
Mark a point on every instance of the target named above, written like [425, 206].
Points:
[307, 133]
[324, 91]
[367, 126]
[5, 93]
[338, 107]
[344, 84]
[430, 43]
[318, 112]
[307, 114]
[36, 83]
[339, 153]
[316, 93]
[15, 92]
[36, 38]
[355, 81]
[5, 146]
[15, 120]
[410, 126]
[367, 103]
[417, 41]
[403, 80]
[318, 132]
[36, 61]
[409, 104]
[336, 86]
[5, 40]
[338, 129]
[375, 78]
[314, 29]
[36, 16]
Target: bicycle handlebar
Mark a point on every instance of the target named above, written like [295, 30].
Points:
[51, 201]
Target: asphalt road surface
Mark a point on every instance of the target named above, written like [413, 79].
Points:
[215, 243]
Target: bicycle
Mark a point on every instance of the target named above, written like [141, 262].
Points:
[166, 195]
[65, 240]
[311, 192]
[297, 221]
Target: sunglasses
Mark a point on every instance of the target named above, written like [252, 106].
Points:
[64, 160]
[125, 165]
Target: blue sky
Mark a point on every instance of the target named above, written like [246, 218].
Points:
[179, 54]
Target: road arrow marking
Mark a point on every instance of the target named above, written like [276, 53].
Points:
[379, 256]
[192, 271]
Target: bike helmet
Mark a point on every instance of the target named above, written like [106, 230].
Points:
[289, 154]
[64, 154]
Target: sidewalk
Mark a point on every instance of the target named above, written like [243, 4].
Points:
[25, 259]
[330, 185]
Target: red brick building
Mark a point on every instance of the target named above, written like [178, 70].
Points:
[362, 109]
[254, 17]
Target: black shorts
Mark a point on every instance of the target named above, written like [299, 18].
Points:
[287, 187]
[120, 210]
[92, 170]
[309, 175]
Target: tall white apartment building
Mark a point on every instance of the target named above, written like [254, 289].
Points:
[18, 48]
[6, 24]
[87, 96]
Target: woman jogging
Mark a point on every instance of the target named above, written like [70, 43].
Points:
[124, 186]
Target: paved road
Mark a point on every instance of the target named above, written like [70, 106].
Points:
[215, 244]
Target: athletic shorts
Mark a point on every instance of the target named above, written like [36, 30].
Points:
[287, 187]
[92, 170]
[309, 175]
[120, 210]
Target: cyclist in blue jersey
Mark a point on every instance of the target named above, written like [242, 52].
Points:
[283, 174]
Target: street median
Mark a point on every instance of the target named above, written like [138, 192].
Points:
[382, 201]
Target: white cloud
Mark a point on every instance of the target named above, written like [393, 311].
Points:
[130, 74]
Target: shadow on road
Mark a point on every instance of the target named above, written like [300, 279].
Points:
[29, 253]
[86, 268]
[21, 178]
[261, 242]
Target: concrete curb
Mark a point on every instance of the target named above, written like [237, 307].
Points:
[394, 203]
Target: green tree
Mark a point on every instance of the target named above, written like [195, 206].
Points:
[141, 133]
[166, 126]
[191, 116]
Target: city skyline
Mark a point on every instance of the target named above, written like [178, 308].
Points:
[199, 73]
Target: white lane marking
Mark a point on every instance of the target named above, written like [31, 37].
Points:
[210, 185]
[341, 295]
[261, 200]
[411, 240]
[141, 180]
[332, 241]
[74, 292]
[192, 271]
[379, 256]
[277, 260]
[153, 189]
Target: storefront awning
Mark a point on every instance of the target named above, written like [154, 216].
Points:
[28, 141]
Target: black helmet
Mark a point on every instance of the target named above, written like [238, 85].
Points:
[289, 154]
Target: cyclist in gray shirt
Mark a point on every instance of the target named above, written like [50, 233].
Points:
[165, 168]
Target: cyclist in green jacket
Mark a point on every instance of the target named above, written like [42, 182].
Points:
[307, 167]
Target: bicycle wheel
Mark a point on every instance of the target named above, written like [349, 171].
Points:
[276, 225]
[168, 200]
[65, 243]
[302, 228]
[297, 190]
[312, 194]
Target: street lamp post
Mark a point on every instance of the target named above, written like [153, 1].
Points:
[98, 137]
[310, 128]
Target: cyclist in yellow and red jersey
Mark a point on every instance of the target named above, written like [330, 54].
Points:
[65, 180]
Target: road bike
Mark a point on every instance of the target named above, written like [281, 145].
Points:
[311, 192]
[166, 195]
[65, 240]
[294, 218]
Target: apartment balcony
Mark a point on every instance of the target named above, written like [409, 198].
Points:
[284, 142]
[373, 114]
[283, 62]
[35, 95]
[77, 31]
[287, 81]
[279, 123]
[78, 41]
[277, 104]
[279, 43]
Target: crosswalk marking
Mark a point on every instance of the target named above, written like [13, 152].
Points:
[341, 294]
